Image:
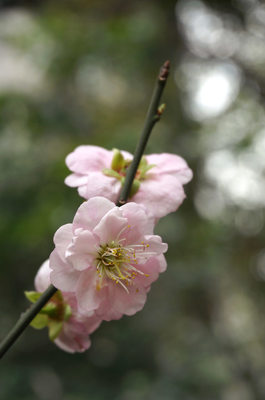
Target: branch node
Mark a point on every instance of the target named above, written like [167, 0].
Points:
[164, 71]
[161, 109]
[120, 203]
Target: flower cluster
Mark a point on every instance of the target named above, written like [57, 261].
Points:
[105, 261]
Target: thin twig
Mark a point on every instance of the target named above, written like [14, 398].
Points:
[25, 319]
[153, 115]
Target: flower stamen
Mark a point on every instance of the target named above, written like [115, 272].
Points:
[117, 261]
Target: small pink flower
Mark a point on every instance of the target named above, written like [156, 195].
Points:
[108, 257]
[159, 179]
[74, 335]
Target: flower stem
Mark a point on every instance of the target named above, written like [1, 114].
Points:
[153, 115]
[25, 320]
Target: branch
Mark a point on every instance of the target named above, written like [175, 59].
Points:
[153, 115]
[25, 319]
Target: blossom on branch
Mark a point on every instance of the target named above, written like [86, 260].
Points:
[108, 257]
[158, 183]
[68, 328]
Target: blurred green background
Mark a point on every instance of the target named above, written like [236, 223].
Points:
[82, 72]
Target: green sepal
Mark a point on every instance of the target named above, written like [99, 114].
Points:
[143, 162]
[117, 162]
[67, 312]
[32, 296]
[127, 163]
[135, 187]
[58, 295]
[40, 321]
[111, 172]
[145, 169]
[50, 309]
[55, 328]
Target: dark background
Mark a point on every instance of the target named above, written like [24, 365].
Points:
[82, 72]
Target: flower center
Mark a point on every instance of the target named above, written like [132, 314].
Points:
[119, 167]
[118, 262]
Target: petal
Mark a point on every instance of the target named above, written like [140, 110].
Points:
[62, 238]
[82, 191]
[151, 269]
[63, 276]
[74, 180]
[74, 336]
[90, 213]
[172, 164]
[155, 244]
[107, 313]
[111, 225]
[42, 279]
[92, 323]
[162, 263]
[126, 155]
[88, 297]
[81, 252]
[71, 341]
[139, 221]
[98, 184]
[161, 195]
[128, 303]
[105, 310]
[85, 159]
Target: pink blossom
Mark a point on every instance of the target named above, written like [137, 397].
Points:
[108, 257]
[74, 335]
[160, 177]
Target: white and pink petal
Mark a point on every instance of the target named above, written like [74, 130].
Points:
[63, 238]
[91, 212]
[160, 195]
[98, 184]
[82, 252]
[63, 276]
[172, 164]
[86, 159]
[110, 226]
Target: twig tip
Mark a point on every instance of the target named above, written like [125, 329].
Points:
[164, 71]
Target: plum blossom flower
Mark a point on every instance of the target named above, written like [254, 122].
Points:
[68, 328]
[158, 183]
[108, 257]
